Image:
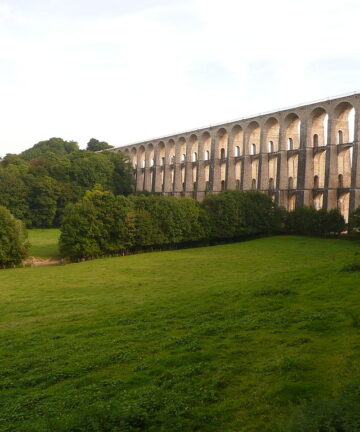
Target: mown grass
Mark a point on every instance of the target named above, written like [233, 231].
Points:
[226, 338]
[44, 243]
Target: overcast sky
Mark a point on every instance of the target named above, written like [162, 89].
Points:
[124, 71]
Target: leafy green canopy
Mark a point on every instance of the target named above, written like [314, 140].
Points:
[13, 239]
[37, 191]
[105, 224]
[53, 145]
[96, 145]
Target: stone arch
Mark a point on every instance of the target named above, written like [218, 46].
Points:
[273, 168]
[344, 205]
[150, 156]
[181, 150]
[344, 167]
[319, 162]
[193, 149]
[141, 157]
[205, 147]
[222, 139]
[171, 152]
[292, 131]
[254, 132]
[344, 122]
[134, 157]
[319, 120]
[160, 163]
[272, 134]
[292, 171]
[255, 168]
[161, 153]
[237, 135]
[140, 178]
[319, 201]
[292, 202]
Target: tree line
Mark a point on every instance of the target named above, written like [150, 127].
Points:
[105, 224]
[102, 224]
[38, 184]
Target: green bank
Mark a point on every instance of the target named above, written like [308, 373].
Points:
[240, 337]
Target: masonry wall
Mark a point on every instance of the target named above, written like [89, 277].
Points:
[307, 155]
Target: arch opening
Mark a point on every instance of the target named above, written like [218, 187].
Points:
[254, 138]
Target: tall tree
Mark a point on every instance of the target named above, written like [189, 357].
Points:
[95, 145]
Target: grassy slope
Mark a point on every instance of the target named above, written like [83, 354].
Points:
[44, 243]
[184, 339]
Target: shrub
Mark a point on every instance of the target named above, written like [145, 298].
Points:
[13, 239]
[308, 221]
[234, 214]
[354, 220]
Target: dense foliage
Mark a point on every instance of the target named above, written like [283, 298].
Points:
[104, 224]
[308, 221]
[233, 214]
[37, 185]
[96, 145]
[13, 239]
[354, 220]
[52, 146]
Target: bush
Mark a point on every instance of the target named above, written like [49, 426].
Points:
[354, 220]
[308, 221]
[234, 214]
[13, 239]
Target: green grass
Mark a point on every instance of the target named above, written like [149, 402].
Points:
[229, 338]
[44, 243]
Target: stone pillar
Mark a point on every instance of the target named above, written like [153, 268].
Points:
[282, 177]
[264, 173]
[304, 166]
[308, 176]
[230, 165]
[189, 176]
[157, 173]
[246, 173]
[139, 179]
[168, 186]
[148, 182]
[331, 169]
[215, 170]
[178, 188]
[200, 181]
[264, 162]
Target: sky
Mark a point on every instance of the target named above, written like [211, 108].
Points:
[127, 71]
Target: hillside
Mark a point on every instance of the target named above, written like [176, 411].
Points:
[227, 338]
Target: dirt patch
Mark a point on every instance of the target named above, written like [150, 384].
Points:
[42, 262]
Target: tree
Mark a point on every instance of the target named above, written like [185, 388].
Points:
[13, 239]
[354, 220]
[95, 145]
[55, 146]
[234, 214]
[81, 231]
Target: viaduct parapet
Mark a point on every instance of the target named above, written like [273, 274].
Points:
[306, 155]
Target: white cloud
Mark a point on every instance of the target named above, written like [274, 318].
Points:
[160, 67]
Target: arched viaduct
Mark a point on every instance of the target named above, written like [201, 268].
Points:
[306, 155]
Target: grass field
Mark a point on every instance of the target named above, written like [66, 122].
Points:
[229, 338]
[44, 243]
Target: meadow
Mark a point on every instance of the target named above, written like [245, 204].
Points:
[232, 338]
[44, 242]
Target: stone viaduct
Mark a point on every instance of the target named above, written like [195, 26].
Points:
[306, 155]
